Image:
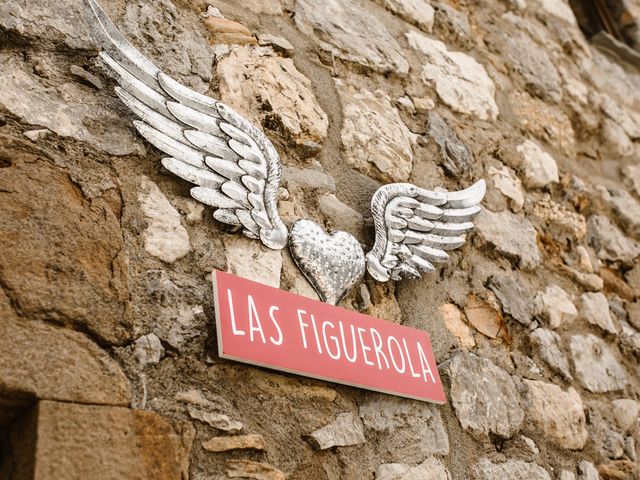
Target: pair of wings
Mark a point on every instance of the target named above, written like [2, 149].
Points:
[237, 170]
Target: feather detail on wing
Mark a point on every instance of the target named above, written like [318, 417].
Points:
[416, 227]
[234, 166]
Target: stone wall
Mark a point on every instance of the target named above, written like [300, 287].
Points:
[108, 365]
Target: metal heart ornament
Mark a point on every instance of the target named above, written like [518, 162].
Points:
[333, 263]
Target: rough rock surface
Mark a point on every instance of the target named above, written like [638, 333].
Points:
[596, 367]
[417, 426]
[512, 236]
[556, 306]
[595, 309]
[346, 430]
[270, 90]
[249, 259]
[539, 168]
[430, 469]
[484, 396]
[417, 12]
[348, 31]
[556, 414]
[84, 439]
[512, 469]
[374, 137]
[66, 110]
[609, 241]
[461, 82]
[626, 412]
[550, 349]
[353, 94]
[67, 262]
[164, 237]
[60, 365]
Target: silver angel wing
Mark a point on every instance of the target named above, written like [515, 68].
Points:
[415, 227]
[234, 166]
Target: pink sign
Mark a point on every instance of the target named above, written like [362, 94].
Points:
[272, 328]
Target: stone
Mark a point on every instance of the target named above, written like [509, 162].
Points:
[269, 7]
[430, 469]
[634, 314]
[506, 181]
[629, 339]
[417, 12]
[533, 64]
[584, 258]
[87, 77]
[587, 471]
[148, 349]
[457, 157]
[563, 225]
[609, 242]
[157, 27]
[556, 414]
[549, 346]
[618, 470]
[556, 306]
[589, 281]
[253, 470]
[415, 427]
[61, 24]
[595, 365]
[511, 469]
[52, 363]
[76, 441]
[613, 445]
[627, 209]
[374, 138]
[630, 448]
[626, 411]
[624, 117]
[614, 140]
[595, 309]
[215, 420]
[164, 236]
[483, 317]
[279, 44]
[39, 134]
[546, 122]
[514, 295]
[239, 442]
[340, 216]
[452, 317]
[346, 430]
[423, 104]
[567, 475]
[453, 24]
[68, 263]
[192, 210]
[484, 396]
[194, 397]
[226, 31]
[631, 177]
[524, 365]
[614, 283]
[347, 31]
[310, 178]
[538, 167]
[269, 90]
[511, 236]
[460, 81]
[559, 9]
[250, 259]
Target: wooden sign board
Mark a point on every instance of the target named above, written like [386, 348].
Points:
[272, 328]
